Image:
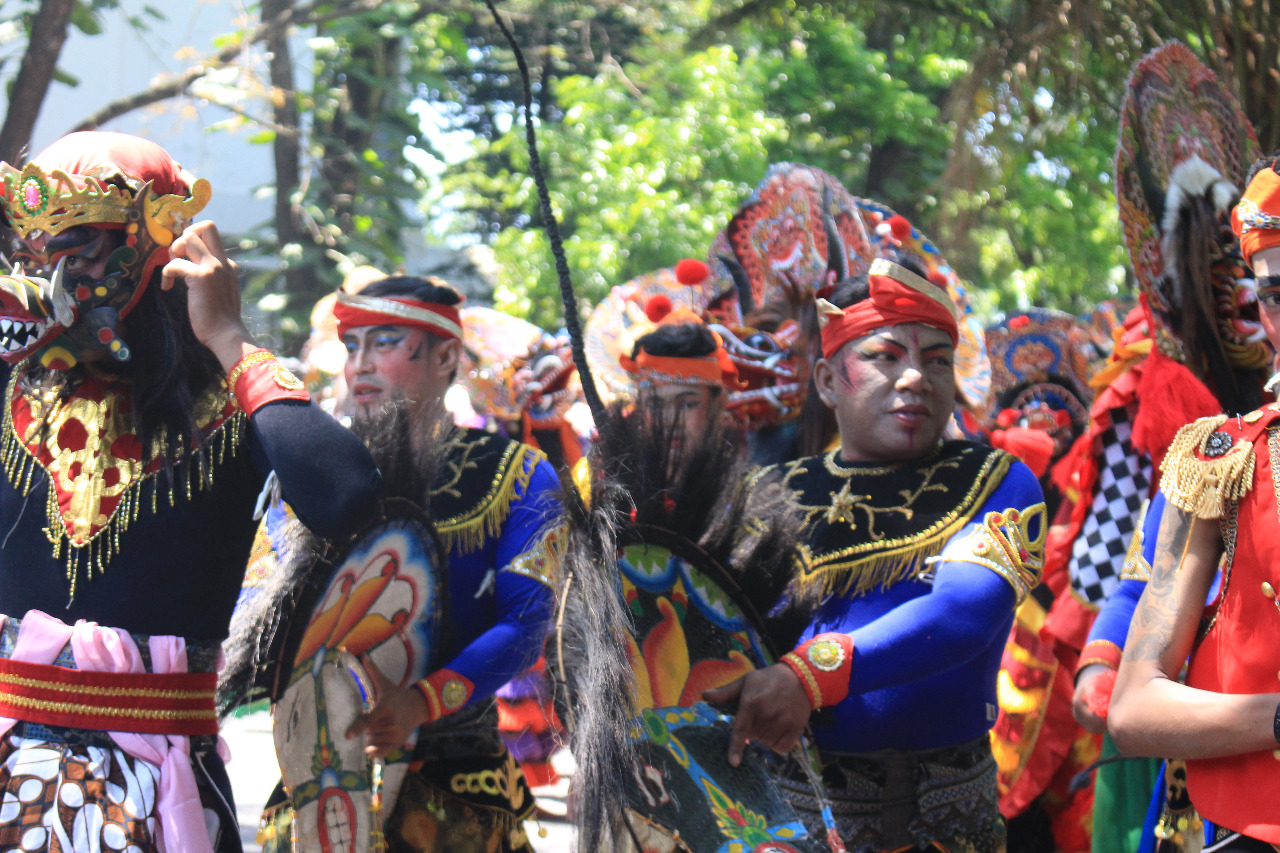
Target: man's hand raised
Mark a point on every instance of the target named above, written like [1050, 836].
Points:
[397, 711]
[773, 710]
[213, 291]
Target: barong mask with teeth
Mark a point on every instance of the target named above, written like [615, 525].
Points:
[542, 384]
[109, 204]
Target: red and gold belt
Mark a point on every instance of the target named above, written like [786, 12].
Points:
[180, 703]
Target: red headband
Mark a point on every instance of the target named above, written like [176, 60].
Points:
[898, 296]
[354, 310]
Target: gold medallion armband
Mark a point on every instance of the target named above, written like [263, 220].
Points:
[259, 378]
[1010, 543]
[445, 691]
[1206, 467]
[824, 665]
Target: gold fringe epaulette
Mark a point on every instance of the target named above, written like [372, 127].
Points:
[472, 500]
[1205, 467]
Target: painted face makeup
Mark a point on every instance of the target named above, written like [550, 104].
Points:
[386, 363]
[892, 391]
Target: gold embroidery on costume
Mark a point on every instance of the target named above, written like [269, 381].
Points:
[542, 559]
[1010, 543]
[92, 458]
[844, 503]
[883, 522]
[481, 476]
[1205, 467]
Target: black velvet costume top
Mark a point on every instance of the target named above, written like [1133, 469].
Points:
[178, 569]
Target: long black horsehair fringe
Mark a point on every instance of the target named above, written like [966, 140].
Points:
[266, 628]
[646, 476]
[587, 656]
[552, 227]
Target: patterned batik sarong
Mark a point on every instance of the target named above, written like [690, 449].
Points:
[67, 790]
[894, 800]
[78, 791]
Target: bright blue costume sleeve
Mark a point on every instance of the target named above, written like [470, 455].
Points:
[967, 609]
[926, 652]
[1112, 624]
[503, 596]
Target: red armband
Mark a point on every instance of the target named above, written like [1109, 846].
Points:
[445, 691]
[824, 665]
[259, 378]
[1104, 652]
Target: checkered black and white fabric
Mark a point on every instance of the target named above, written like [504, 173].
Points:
[1124, 481]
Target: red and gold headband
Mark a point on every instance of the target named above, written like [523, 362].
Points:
[898, 296]
[354, 310]
[1256, 219]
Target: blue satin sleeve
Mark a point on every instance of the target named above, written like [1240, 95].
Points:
[501, 605]
[968, 607]
[1112, 624]
[925, 652]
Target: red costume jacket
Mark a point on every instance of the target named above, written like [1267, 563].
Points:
[1227, 468]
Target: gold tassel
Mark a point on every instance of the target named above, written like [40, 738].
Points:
[1201, 486]
[900, 559]
[19, 464]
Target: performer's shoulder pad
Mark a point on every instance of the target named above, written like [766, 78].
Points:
[1211, 461]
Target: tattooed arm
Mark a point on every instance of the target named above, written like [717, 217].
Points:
[1151, 712]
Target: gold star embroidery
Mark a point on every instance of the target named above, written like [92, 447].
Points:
[842, 505]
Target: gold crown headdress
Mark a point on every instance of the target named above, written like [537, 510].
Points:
[36, 201]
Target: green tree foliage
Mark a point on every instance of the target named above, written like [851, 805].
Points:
[991, 125]
[645, 168]
[1007, 169]
[360, 178]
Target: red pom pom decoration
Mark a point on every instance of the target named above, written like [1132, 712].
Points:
[690, 271]
[900, 226]
[939, 278]
[658, 307]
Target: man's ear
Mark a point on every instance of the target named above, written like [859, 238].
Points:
[449, 355]
[826, 380]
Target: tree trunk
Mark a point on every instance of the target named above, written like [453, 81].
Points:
[287, 151]
[48, 34]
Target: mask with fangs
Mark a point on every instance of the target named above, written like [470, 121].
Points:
[93, 217]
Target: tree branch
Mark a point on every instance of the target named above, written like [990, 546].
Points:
[173, 85]
[48, 33]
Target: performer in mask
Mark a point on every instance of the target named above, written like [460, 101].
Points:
[141, 421]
